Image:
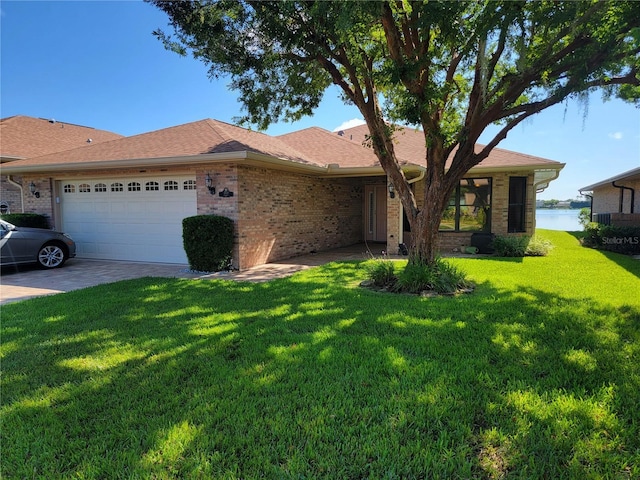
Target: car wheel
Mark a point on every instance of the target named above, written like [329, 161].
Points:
[51, 256]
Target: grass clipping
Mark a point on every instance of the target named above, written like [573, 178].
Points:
[439, 278]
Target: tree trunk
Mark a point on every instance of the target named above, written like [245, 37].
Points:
[427, 224]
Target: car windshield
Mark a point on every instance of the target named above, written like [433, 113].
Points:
[7, 225]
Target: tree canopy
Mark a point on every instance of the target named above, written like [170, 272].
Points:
[451, 68]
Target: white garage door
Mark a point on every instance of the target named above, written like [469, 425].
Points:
[133, 218]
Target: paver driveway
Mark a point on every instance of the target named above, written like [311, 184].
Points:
[27, 281]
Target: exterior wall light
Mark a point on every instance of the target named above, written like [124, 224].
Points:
[392, 191]
[32, 189]
[208, 181]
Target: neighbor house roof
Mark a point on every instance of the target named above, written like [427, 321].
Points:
[633, 174]
[313, 149]
[207, 139]
[25, 137]
[410, 147]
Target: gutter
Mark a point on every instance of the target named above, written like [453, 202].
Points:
[622, 189]
[19, 187]
[540, 185]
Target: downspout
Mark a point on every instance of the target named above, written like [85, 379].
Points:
[622, 189]
[590, 203]
[19, 187]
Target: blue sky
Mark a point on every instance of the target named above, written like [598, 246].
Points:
[96, 63]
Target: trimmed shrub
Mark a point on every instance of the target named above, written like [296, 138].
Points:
[510, 246]
[33, 220]
[208, 242]
[521, 246]
[614, 239]
[592, 235]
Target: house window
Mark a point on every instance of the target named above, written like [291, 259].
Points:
[189, 185]
[517, 204]
[84, 188]
[171, 185]
[133, 187]
[100, 188]
[117, 187]
[469, 207]
[69, 188]
[152, 186]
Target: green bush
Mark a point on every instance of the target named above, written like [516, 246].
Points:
[33, 220]
[381, 272]
[584, 217]
[208, 242]
[441, 277]
[538, 247]
[510, 246]
[521, 246]
[614, 239]
[592, 234]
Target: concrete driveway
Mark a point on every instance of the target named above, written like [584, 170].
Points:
[30, 281]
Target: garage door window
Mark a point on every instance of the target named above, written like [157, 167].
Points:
[117, 187]
[100, 188]
[189, 185]
[133, 187]
[152, 186]
[171, 185]
[84, 188]
[69, 188]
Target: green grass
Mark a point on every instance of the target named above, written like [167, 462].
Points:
[535, 375]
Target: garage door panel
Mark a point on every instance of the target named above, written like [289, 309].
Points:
[141, 225]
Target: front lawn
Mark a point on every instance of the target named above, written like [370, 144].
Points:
[535, 375]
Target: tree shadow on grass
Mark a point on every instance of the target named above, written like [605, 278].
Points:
[625, 261]
[300, 377]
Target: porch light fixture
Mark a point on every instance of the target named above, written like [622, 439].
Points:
[392, 191]
[32, 189]
[208, 181]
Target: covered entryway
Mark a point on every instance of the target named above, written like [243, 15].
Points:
[136, 218]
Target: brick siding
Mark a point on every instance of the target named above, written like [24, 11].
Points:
[606, 199]
[281, 214]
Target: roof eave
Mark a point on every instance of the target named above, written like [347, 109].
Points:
[607, 182]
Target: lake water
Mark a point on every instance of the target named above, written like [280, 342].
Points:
[558, 219]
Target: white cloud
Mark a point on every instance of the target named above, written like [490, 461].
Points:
[354, 122]
[616, 135]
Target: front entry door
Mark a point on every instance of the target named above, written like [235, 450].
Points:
[375, 213]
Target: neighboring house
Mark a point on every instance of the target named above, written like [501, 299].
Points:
[616, 200]
[305, 191]
[25, 137]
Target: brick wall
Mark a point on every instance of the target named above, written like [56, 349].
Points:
[606, 199]
[44, 204]
[10, 194]
[281, 214]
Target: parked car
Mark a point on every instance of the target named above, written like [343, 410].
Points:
[48, 248]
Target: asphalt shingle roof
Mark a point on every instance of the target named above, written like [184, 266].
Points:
[25, 137]
[410, 147]
[312, 146]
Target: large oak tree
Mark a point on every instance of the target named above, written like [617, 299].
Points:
[451, 68]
